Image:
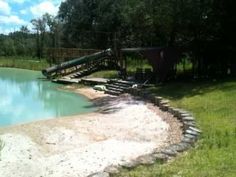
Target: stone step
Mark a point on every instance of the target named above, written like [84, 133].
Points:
[123, 82]
[121, 85]
[116, 86]
[78, 74]
[110, 87]
[126, 82]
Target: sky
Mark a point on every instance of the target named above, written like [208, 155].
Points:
[15, 13]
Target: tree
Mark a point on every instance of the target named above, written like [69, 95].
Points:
[54, 29]
[203, 29]
[90, 23]
[24, 29]
[9, 47]
[40, 28]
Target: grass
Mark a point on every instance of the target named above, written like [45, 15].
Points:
[35, 64]
[132, 64]
[23, 62]
[213, 104]
[105, 74]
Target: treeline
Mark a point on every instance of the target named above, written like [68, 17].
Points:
[203, 30]
[19, 43]
[45, 34]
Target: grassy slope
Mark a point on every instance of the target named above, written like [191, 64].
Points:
[23, 62]
[105, 74]
[214, 106]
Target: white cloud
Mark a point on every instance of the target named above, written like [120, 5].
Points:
[6, 30]
[4, 8]
[16, 1]
[44, 7]
[12, 19]
[23, 11]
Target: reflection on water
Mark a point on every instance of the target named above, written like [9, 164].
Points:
[25, 98]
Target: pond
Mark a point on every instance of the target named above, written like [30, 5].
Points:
[26, 97]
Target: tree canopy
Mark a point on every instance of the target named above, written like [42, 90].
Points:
[203, 29]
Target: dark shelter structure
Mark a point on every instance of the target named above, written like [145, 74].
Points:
[162, 59]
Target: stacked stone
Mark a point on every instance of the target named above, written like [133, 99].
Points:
[190, 135]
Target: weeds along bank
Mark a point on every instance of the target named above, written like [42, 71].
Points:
[23, 63]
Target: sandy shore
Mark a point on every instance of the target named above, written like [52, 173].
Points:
[88, 92]
[122, 130]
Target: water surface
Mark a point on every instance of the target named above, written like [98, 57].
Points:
[26, 98]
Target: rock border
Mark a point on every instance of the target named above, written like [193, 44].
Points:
[189, 136]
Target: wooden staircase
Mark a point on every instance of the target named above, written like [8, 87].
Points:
[82, 71]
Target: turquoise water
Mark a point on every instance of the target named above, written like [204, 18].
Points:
[24, 97]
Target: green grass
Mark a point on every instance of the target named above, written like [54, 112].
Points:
[214, 106]
[105, 74]
[184, 66]
[23, 62]
[133, 64]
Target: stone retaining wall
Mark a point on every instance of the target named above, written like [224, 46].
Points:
[190, 135]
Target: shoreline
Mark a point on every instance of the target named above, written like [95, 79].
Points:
[88, 92]
[96, 136]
